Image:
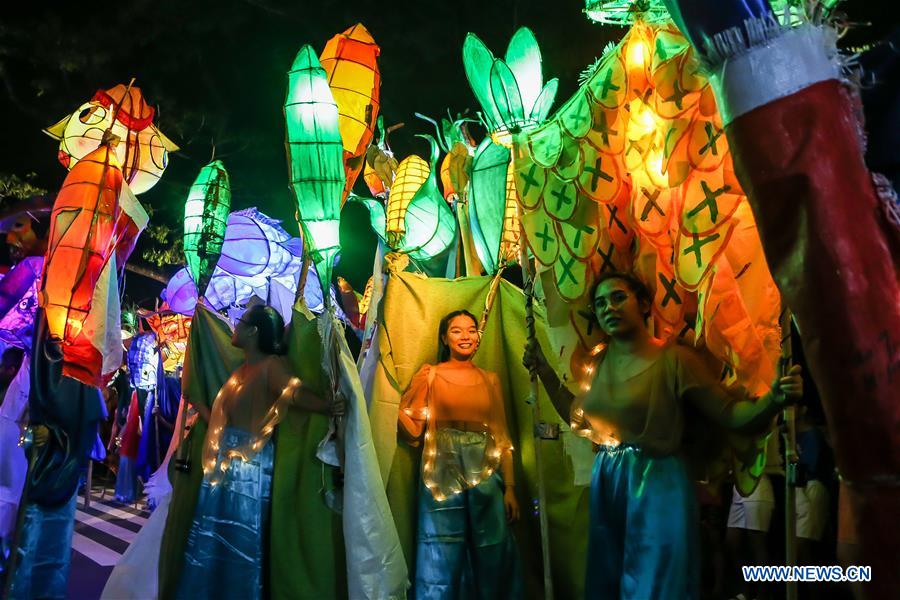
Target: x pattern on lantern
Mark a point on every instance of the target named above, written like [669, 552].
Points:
[633, 173]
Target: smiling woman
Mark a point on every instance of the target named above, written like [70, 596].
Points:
[465, 548]
[642, 506]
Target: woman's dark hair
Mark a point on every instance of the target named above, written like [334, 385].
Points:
[270, 328]
[444, 349]
[635, 285]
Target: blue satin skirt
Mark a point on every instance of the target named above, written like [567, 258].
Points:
[45, 551]
[465, 548]
[229, 534]
[126, 480]
[643, 527]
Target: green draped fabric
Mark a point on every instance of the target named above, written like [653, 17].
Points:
[410, 312]
[306, 544]
[208, 363]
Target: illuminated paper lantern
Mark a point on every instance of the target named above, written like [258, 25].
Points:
[143, 361]
[510, 91]
[205, 218]
[172, 330]
[634, 173]
[315, 150]
[143, 152]
[350, 62]
[487, 201]
[257, 247]
[93, 228]
[624, 12]
[412, 173]
[18, 302]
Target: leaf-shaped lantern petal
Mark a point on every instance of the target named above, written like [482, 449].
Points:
[487, 201]
[205, 219]
[523, 56]
[542, 106]
[350, 61]
[478, 61]
[429, 223]
[315, 156]
[505, 92]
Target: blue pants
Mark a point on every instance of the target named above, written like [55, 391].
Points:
[228, 537]
[465, 548]
[45, 551]
[643, 527]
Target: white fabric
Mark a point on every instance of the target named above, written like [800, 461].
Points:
[812, 510]
[13, 464]
[376, 568]
[776, 68]
[755, 511]
[135, 576]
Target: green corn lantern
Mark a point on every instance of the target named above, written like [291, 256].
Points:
[510, 91]
[315, 159]
[205, 218]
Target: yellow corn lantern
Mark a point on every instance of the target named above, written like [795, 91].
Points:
[411, 174]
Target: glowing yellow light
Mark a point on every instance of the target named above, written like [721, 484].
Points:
[644, 119]
[636, 56]
[502, 137]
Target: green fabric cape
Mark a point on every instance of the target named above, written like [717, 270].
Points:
[410, 313]
[306, 558]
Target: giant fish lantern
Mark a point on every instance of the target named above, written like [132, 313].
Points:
[350, 62]
[143, 151]
[93, 228]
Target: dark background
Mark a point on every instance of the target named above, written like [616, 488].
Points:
[216, 71]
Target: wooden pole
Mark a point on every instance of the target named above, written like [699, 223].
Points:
[88, 483]
[528, 288]
[790, 461]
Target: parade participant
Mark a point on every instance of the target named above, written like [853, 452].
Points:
[467, 496]
[642, 508]
[224, 557]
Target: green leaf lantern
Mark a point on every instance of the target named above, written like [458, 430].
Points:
[315, 159]
[430, 225]
[487, 201]
[205, 219]
[511, 91]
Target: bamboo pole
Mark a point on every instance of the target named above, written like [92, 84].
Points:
[790, 460]
[528, 288]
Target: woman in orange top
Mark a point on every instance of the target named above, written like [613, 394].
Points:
[465, 548]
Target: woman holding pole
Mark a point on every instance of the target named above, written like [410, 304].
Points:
[643, 510]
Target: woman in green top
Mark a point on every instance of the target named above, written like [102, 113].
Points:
[642, 506]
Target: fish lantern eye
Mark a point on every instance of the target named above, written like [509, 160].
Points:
[92, 114]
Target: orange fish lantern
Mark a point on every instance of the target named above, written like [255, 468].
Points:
[350, 62]
[143, 152]
[94, 225]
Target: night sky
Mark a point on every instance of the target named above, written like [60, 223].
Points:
[216, 71]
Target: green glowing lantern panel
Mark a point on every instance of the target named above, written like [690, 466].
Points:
[430, 226]
[511, 90]
[487, 201]
[205, 219]
[315, 157]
